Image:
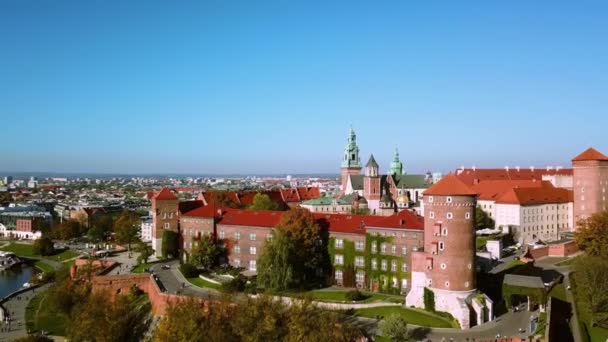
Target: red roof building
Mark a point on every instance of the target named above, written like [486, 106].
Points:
[165, 194]
[450, 185]
[590, 154]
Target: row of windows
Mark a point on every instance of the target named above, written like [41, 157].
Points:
[449, 215]
[360, 278]
[360, 246]
[252, 264]
[252, 250]
[237, 236]
[360, 262]
[446, 284]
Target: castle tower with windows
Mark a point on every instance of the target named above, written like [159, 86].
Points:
[351, 163]
[165, 212]
[446, 266]
[589, 182]
[371, 183]
[396, 165]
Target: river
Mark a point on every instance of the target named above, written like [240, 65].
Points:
[12, 280]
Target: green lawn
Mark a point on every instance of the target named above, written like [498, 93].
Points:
[39, 316]
[43, 266]
[26, 250]
[514, 264]
[567, 262]
[480, 242]
[559, 291]
[203, 283]
[412, 316]
[141, 268]
[339, 296]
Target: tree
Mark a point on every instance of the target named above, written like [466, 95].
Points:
[591, 279]
[429, 299]
[395, 328]
[277, 262]
[170, 244]
[310, 242]
[127, 227]
[43, 246]
[101, 319]
[263, 202]
[68, 229]
[482, 219]
[95, 234]
[592, 235]
[5, 197]
[145, 252]
[205, 253]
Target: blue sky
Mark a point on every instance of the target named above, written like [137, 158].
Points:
[272, 86]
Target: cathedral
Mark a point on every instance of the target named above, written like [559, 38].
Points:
[381, 194]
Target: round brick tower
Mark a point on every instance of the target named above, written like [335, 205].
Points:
[446, 266]
[449, 235]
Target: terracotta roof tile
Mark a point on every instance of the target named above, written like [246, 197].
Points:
[590, 154]
[490, 190]
[203, 211]
[540, 195]
[449, 185]
[474, 176]
[164, 195]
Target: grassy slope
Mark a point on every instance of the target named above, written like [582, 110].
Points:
[415, 317]
[26, 250]
[40, 317]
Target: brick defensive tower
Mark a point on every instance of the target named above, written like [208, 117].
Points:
[447, 264]
[165, 210]
[589, 182]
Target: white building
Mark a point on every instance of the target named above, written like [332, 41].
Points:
[146, 228]
[18, 234]
[535, 213]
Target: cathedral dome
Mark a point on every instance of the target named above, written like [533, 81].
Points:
[403, 199]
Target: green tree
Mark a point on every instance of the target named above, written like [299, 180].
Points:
[263, 202]
[310, 240]
[68, 229]
[127, 227]
[145, 252]
[221, 199]
[43, 246]
[170, 244]
[591, 278]
[101, 319]
[96, 234]
[277, 262]
[205, 253]
[592, 235]
[429, 299]
[482, 219]
[395, 328]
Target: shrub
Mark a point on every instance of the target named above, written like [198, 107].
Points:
[188, 270]
[429, 300]
[237, 284]
[354, 295]
[43, 246]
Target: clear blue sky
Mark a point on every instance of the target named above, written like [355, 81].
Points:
[272, 86]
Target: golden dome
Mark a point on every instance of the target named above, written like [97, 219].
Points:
[403, 199]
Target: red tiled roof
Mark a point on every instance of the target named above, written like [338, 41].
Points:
[471, 177]
[150, 194]
[204, 211]
[404, 219]
[490, 190]
[187, 189]
[309, 193]
[449, 185]
[186, 206]
[164, 195]
[590, 154]
[254, 218]
[356, 224]
[540, 195]
[290, 195]
[209, 196]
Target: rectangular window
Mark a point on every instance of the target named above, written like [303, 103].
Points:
[384, 265]
[360, 277]
[269, 237]
[338, 275]
[167, 225]
[374, 247]
[237, 235]
[253, 250]
[441, 245]
[374, 264]
[252, 236]
[252, 265]
[359, 245]
[339, 243]
[394, 249]
[383, 248]
[359, 261]
[394, 266]
[404, 267]
[237, 262]
[222, 234]
[339, 260]
[404, 250]
[237, 249]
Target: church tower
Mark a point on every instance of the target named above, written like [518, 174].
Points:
[396, 165]
[371, 184]
[351, 164]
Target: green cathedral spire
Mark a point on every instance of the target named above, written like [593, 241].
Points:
[396, 165]
[351, 152]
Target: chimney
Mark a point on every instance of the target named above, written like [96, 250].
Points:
[517, 168]
[507, 168]
[532, 168]
[219, 212]
[473, 167]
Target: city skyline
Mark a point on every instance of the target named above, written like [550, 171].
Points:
[258, 89]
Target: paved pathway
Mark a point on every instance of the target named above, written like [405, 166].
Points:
[15, 307]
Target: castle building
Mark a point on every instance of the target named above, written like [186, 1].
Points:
[590, 182]
[384, 194]
[165, 215]
[446, 266]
